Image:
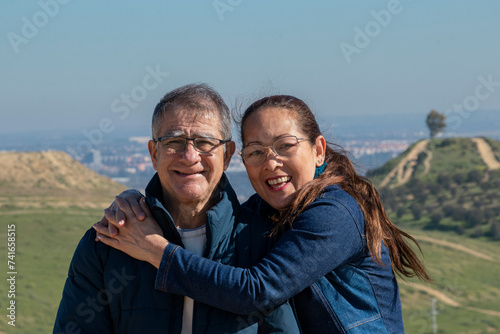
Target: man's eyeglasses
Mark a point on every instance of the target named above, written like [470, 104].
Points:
[178, 144]
[255, 154]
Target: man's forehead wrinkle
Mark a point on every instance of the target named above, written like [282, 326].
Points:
[193, 123]
[182, 133]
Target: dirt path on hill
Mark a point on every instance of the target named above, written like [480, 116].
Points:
[480, 310]
[427, 162]
[486, 153]
[433, 292]
[447, 300]
[409, 161]
[456, 247]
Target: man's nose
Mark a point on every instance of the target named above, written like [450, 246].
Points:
[190, 154]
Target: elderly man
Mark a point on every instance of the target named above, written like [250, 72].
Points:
[108, 291]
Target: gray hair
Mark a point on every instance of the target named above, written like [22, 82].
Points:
[199, 97]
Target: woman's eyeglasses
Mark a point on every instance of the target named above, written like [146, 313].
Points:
[255, 154]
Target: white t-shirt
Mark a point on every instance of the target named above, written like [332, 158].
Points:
[194, 240]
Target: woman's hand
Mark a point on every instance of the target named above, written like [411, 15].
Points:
[142, 240]
[114, 216]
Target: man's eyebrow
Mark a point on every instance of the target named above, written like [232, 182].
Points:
[180, 133]
[174, 133]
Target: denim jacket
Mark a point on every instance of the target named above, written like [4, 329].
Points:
[323, 261]
[108, 291]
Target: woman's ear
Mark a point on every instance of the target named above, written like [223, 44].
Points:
[320, 147]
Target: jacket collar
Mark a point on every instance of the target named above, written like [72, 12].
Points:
[220, 218]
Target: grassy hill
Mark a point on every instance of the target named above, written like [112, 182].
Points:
[51, 179]
[51, 199]
[465, 270]
[466, 287]
[446, 193]
[448, 184]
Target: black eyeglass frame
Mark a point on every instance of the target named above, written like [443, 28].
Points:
[186, 139]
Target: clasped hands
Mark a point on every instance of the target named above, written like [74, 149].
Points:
[129, 226]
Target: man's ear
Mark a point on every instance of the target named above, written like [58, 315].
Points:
[153, 152]
[230, 148]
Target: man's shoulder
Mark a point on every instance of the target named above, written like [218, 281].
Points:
[89, 252]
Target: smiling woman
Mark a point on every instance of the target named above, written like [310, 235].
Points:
[335, 250]
[277, 177]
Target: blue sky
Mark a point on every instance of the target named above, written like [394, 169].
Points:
[72, 64]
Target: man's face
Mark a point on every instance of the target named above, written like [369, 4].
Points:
[188, 177]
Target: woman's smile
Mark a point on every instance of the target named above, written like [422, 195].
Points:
[278, 183]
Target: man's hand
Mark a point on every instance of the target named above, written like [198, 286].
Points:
[142, 240]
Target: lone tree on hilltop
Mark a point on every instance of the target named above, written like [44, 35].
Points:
[435, 122]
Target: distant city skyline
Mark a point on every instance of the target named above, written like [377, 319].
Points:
[102, 66]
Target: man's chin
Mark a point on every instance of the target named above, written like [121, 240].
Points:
[192, 193]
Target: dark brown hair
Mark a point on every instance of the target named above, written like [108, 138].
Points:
[340, 170]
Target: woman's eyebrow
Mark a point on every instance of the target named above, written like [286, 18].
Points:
[254, 142]
[274, 139]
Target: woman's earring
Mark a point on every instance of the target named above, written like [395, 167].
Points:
[320, 169]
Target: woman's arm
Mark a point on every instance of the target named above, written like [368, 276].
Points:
[324, 237]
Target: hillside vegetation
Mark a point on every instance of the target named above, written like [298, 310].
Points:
[450, 184]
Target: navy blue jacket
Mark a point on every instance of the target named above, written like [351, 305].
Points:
[323, 261]
[108, 291]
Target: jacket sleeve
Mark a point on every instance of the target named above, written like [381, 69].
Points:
[323, 237]
[83, 307]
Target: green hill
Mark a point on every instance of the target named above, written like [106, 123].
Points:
[450, 184]
[446, 193]
[49, 200]
[51, 179]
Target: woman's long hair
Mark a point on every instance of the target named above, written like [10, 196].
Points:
[341, 171]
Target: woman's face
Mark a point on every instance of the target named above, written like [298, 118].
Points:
[278, 178]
